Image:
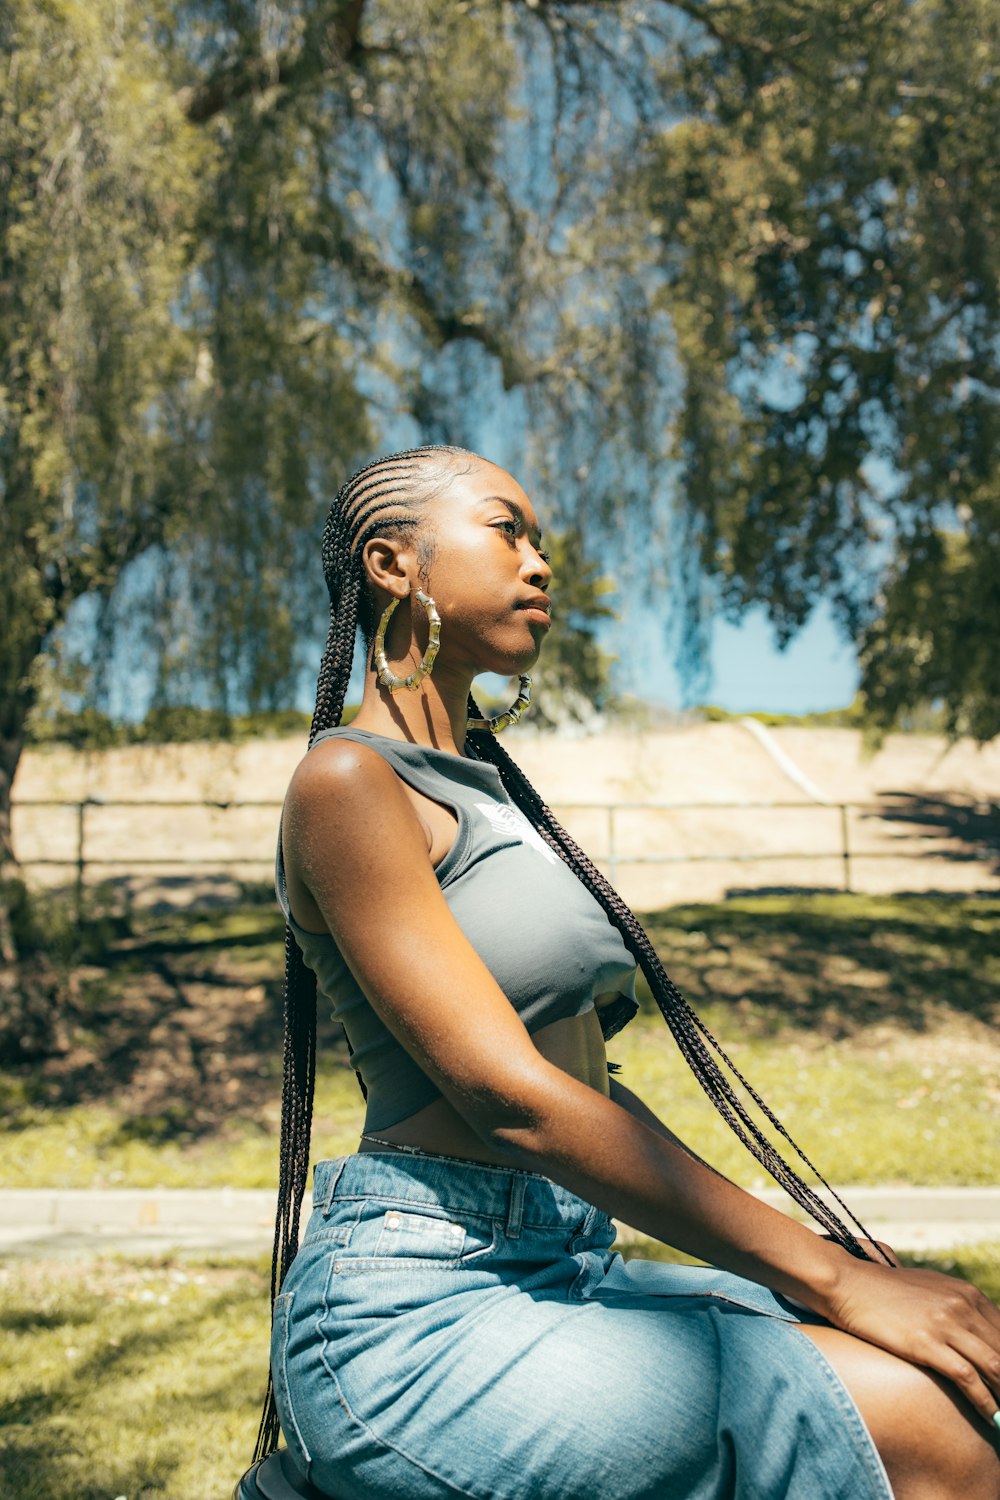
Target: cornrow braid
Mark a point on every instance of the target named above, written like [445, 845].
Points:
[385, 498]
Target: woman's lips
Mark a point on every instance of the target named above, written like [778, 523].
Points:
[537, 614]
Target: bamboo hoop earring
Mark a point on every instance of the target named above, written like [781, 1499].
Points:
[513, 713]
[389, 679]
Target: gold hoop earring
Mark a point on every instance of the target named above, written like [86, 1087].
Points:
[389, 679]
[513, 713]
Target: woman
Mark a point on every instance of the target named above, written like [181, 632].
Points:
[455, 1323]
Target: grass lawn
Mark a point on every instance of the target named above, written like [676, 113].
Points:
[126, 1381]
[130, 1380]
[868, 1024]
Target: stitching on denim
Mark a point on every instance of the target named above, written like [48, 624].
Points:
[515, 1209]
[331, 1187]
[380, 1200]
[478, 1166]
[357, 1264]
[340, 1237]
[358, 1421]
[746, 1306]
[337, 1234]
[554, 1225]
[855, 1424]
[282, 1313]
[433, 1230]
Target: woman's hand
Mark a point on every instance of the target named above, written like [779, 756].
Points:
[928, 1318]
[873, 1248]
[382, 903]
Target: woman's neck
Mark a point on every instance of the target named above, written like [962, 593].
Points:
[433, 715]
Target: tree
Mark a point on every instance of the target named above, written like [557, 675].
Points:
[826, 211]
[91, 255]
[240, 243]
[234, 240]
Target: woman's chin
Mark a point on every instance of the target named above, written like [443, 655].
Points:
[514, 666]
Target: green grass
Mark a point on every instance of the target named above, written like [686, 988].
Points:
[135, 1381]
[873, 1113]
[868, 1024]
[102, 1145]
[864, 1114]
[144, 1381]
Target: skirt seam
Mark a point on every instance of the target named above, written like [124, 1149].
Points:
[366, 1427]
[856, 1424]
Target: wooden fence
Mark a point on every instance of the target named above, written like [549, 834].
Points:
[103, 838]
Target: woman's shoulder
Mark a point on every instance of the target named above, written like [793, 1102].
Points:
[337, 768]
[346, 823]
[339, 776]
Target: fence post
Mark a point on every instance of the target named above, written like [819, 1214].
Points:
[80, 859]
[845, 845]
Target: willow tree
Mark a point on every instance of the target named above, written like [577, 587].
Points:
[741, 252]
[827, 209]
[239, 244]
[98, 189]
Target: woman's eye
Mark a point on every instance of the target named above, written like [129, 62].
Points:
[499, 526]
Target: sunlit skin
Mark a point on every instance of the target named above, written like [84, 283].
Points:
[544, 1102]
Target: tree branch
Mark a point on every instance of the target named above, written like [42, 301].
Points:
[695, 12]
[334, 243]
[330, 42]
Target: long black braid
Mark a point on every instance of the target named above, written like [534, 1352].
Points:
[385, 499]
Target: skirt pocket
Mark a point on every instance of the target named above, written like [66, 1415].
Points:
[422, 1235]
[402, 1240]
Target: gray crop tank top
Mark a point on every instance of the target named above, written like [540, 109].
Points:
[546, 940]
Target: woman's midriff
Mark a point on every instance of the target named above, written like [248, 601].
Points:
[575, 1044]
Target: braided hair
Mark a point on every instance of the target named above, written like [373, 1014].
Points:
[387, 498]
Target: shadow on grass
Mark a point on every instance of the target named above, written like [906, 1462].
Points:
[180, 1026]
[834, 963]
[972, 827]
[33, 1320]
[40, 1469]
[180, 1023]
[126, 1418]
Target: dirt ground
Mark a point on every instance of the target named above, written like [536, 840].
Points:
[700, 811]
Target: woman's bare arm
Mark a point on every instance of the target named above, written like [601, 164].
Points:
[360, 849]
[640, 1111]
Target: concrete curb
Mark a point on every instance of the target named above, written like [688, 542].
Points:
[36, 1223]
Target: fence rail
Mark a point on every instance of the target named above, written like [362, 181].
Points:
[84, 857]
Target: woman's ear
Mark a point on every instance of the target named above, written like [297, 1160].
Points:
[389, 565]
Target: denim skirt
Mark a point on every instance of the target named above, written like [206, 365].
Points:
[449, 1329]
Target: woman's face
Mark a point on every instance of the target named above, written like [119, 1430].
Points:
[487, 564]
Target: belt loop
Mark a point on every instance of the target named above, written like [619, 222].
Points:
[515, 1207]
[338, 1164]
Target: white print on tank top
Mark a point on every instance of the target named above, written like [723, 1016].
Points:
[506, 819]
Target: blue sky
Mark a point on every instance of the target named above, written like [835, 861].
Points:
[817, 671]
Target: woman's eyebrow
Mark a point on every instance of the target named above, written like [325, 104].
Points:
[515, 511]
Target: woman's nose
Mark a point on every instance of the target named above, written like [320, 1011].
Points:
[540, 573]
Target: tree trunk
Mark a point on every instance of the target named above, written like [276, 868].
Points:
[10, 754]
[34, 990]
